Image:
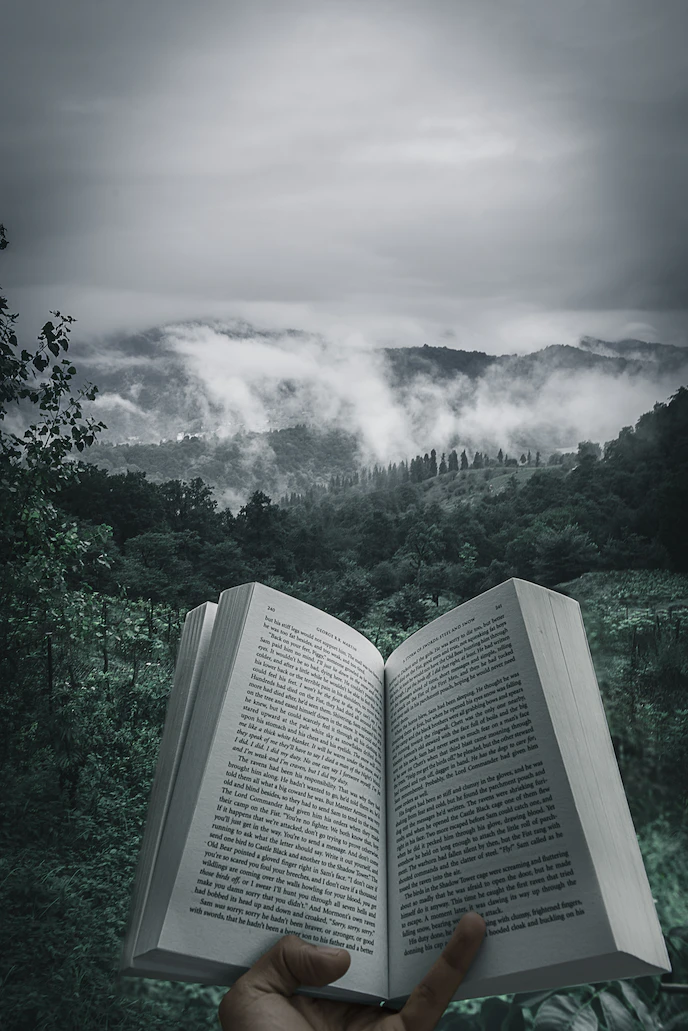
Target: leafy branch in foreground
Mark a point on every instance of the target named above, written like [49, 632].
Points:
[34, 462]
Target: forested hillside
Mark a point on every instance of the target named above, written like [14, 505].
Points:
[403, 535]
[278, 461]
[294, 461]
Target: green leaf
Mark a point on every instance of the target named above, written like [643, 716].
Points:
[634, 999]
[617, 1017]
[565, 1013]
[679, 932]
[648, 986]
[515, 1020]
[493, 1013]
[533, 999]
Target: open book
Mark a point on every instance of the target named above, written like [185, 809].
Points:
[304, 786]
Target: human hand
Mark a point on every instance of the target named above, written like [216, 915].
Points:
[262, 999]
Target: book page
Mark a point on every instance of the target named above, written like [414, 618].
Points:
[193, 649]
[480, 812]
[288, 836]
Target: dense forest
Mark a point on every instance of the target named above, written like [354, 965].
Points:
[388, 542]
[98, 571]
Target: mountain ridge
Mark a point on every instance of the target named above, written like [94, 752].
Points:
[280, 431]
[150, 390]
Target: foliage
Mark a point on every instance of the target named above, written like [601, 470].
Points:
[563, 553]
[32, 464]
[609, 1006]
[407, 609]
[638, 631]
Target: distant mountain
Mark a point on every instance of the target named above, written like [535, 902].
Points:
[624, 357]
[277, 410]
[404, 364]
[151, 393]
[666, 356]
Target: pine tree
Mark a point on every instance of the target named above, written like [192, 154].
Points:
[433, 463]
[529, 460]
[537, 459]
[500, 457]
[453, 462]
[443, 465]
[464, 460]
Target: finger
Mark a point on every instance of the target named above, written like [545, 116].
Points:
[430, 998]
[292, 962]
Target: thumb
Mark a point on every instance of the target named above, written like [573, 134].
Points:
[292, 962]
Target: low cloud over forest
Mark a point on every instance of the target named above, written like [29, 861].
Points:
[220, 379]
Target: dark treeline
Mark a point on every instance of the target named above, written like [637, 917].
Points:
[426, 467]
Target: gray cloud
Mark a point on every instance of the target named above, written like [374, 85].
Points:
[512, 174]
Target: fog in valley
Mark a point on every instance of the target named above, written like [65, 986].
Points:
[222, 379]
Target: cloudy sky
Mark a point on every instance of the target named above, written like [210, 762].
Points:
[487, 174]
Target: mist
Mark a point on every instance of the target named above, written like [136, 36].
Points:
[222, 379]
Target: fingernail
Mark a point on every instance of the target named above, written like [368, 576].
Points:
[329, 949]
